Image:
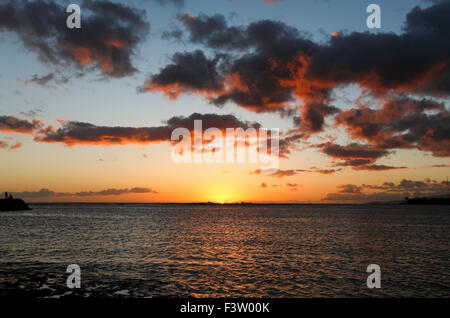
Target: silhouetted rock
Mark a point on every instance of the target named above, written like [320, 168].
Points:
[13, 205]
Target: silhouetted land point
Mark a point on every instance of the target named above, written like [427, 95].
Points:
[427, 201]
[11, 204]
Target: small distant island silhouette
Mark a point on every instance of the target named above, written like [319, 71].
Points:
[437, 200]
[427, 201]
[11, 204]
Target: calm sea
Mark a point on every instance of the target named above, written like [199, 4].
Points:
[225, 251]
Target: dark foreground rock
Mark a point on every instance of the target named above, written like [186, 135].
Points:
[13, 205]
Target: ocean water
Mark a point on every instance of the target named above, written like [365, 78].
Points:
[134, 250]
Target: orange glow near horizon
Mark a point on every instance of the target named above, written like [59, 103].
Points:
[77, 169]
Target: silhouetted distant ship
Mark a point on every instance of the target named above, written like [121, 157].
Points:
[11, 204]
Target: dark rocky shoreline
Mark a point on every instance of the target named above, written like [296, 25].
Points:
[48, 280]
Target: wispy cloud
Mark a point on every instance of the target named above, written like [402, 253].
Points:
[46, 193]
[292, 172]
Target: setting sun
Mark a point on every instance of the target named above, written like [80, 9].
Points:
[222, 195]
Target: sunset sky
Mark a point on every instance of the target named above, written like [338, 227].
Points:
[86, 114]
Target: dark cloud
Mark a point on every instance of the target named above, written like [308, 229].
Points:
[313, 116]
[46, 193]
[416, 188]
[73, 133]
[109, 34]
[190, 72]
[33, 112]
[430, 20]
[41, 81]
[270, 66]
[388, 191]
[353, 154]
[414, 61]
[212, 31]
[257, 81]
[43, 193]
[288, 143]
[325, 171]
[401, 122]
[349, 188]
[49, 80]
[11, 124]
[114, 192]
[377, 167]
[211, 120]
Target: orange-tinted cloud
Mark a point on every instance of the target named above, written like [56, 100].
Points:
[12, 124]
[401, 123]
[16, 145]
[278, 174]
[106, 42]
[272, 67]
[75, 133]
[5, 145]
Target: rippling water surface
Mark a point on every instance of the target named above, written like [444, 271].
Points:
[225, 251]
